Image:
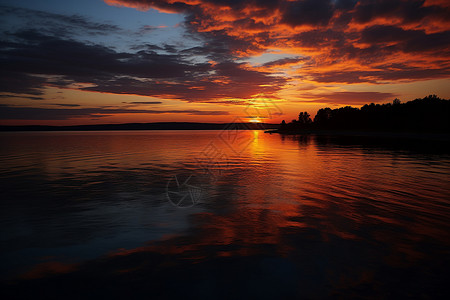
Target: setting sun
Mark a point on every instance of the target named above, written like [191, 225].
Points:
[255, 120]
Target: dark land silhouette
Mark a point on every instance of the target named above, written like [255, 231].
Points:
[430, 114]
[145, 126]
[427, 115]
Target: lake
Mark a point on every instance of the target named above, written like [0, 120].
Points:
[223, 215]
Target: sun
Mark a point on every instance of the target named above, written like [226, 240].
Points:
[255, 121]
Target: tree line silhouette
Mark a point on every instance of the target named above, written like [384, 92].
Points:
[428, 114]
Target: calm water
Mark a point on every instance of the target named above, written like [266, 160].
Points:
[232, 215]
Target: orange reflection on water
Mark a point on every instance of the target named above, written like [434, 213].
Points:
[319, 203]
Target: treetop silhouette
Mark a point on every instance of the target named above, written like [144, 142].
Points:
[429, 114]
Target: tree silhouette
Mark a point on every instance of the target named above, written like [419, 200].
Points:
[304, 118]
[430, 114]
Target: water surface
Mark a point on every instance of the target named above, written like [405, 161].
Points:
[211, 214]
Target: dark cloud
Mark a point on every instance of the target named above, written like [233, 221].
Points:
[407, 40]
[61, 63]
[345, 4]
[58, 24]
[283, 61]
[53, 61]
[144, 102]
[416, 53]
[387, 73]
[387, 34]
[9, 96]
[303, 12]
[230, 80]
[318, 38]
[40, 54]
[245, 31]
[308, 12]
[33, 113]
[350, 98]
[438, 43]
[407, 11]
[168, 6]
[64, 104]
[20, 82]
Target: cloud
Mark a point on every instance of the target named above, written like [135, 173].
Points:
[340, 37]
[64, 104]
[9, 96]
[406, 11]
[230, 80]
[406, 40]
[40, 54]
[32, 60]
[58, 24]
[283, 62]
[163, 6]
[20, 83]
[349, 98]
[8, 112]
[308, 12]
[149, 28]
[145, 102]
[387, 34]
[386, 74]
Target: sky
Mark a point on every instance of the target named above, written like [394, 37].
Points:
[67, 62]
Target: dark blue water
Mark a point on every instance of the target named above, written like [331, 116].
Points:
[228, 215]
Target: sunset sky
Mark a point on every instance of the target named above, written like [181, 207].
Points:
[69, 62]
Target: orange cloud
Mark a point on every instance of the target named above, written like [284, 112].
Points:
[332, 33]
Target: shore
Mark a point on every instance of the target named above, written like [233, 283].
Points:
[443, 137]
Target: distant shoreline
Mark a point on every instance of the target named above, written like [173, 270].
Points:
[145, 126]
